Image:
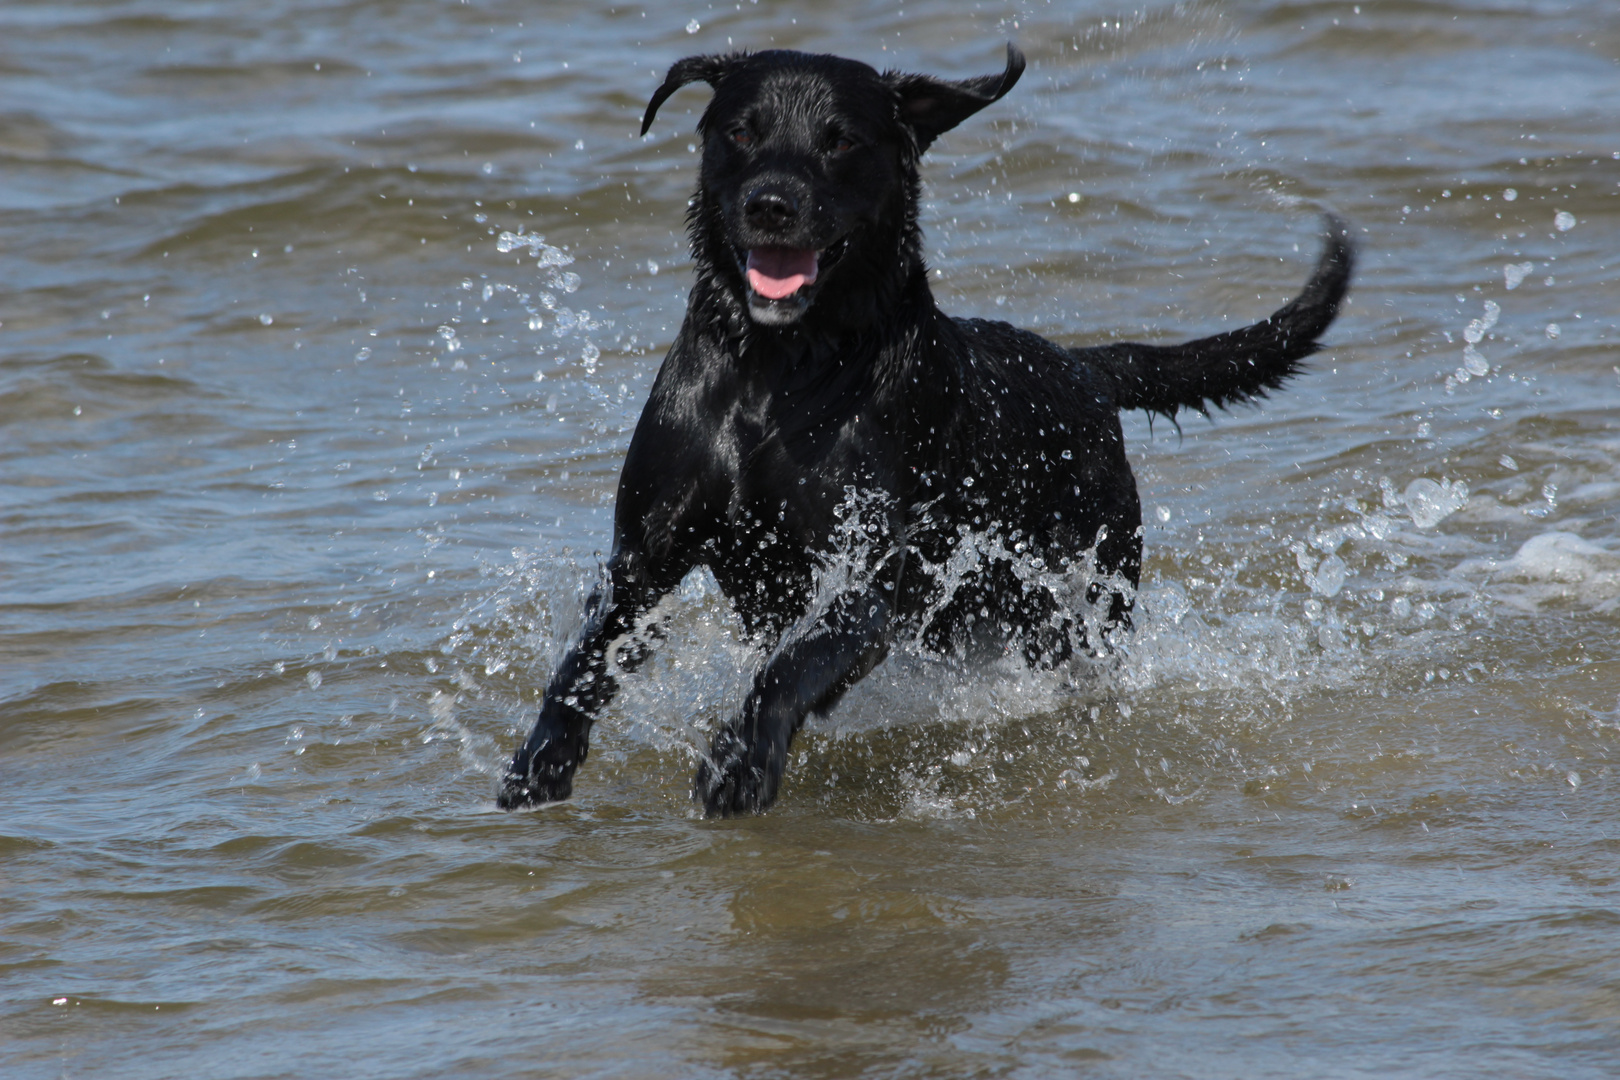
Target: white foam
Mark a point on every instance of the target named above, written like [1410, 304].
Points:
[1554, 567]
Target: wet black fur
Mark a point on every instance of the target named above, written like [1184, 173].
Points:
[767, 415]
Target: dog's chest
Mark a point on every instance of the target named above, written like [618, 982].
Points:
[807, 468]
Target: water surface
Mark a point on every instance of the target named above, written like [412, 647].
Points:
[303, 472]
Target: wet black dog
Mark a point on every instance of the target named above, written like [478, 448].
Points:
[816, 398]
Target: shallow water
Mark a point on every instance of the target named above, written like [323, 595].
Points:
[305, 470]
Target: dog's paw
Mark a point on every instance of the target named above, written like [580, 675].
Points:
[548, 783]
[543, 770]
[738, 777]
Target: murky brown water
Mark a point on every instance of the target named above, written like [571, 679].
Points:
[301, 477]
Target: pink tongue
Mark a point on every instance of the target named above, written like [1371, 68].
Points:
[776, 273]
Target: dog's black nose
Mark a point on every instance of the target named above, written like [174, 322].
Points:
[769, 208]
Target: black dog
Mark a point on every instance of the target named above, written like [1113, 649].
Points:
[817, 397]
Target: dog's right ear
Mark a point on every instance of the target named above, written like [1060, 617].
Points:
[710, 69]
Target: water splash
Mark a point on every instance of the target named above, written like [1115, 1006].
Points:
[1474, 364]
[1372, 590]
[571, 328]
[1363, 599]
[1430, 502]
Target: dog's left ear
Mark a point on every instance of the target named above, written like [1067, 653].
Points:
[709, 69]
[931, 107]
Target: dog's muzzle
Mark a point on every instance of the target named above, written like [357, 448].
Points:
[782, 280]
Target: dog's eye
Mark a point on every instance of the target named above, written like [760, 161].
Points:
[844, 145]
[742, 136]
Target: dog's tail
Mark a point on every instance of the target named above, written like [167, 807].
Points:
[1237, 366]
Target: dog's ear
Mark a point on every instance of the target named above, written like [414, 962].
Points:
[931, 107]
[710, 69]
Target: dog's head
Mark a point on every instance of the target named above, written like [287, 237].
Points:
[810, 167]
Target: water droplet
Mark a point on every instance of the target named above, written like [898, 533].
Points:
[1563, 221]
[266, 320]
[1513, 274]
[1429, 502]
[1553, 330]
[652, 267]
[314, 680]
[1162, 513]
[1329, 576]
[693, 27]
[1510, 194]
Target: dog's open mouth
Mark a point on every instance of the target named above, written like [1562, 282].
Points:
[782, 281]
[776, 273]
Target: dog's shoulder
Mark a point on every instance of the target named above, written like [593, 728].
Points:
[680, 456]
[696, 380]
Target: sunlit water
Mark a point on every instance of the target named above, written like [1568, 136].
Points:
[323, 328]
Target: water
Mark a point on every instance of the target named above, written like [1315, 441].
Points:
[309, 442]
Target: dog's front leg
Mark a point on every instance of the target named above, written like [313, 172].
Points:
[807, 673]
[542, 770]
